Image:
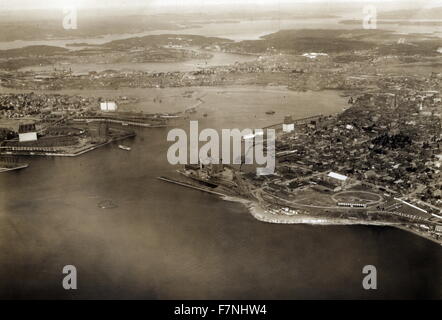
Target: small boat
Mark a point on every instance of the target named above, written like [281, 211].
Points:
[107, 204]
[270, 112]
[124, 147]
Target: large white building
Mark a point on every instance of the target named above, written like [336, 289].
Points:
[108, 106]
[288, 125]
[27, 132]
[339, 181]
[338, 176]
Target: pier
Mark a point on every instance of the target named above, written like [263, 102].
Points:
[188, 185]
[123, 122]
[296, 121]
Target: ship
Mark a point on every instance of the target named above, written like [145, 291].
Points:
[124, 147]
[18, 167]
[11, 163]
[270, 112]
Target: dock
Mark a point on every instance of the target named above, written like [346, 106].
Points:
[188, 185]
[295, 121]
[15, 151]
[123, 122]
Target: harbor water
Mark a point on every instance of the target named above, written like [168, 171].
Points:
[156, 240]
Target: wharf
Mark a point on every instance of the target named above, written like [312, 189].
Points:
[188, 185]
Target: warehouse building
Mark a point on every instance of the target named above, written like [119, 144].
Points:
[27, 132]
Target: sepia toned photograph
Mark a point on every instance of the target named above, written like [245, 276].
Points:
[196, 150]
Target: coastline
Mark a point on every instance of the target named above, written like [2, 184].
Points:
[263, 215]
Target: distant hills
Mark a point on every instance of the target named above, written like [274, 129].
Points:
[33, 51]
[170, 47]
[166, 39]
[424, 13]
[300, 41]
[87, 27]
[339, 41]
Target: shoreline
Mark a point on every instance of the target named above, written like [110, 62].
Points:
[263, 215]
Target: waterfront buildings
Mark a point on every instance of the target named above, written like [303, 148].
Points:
[98, 130]
[27, 132]
[288, 125]
[108, 106]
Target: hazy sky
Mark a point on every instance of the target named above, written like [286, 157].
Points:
[171, 4]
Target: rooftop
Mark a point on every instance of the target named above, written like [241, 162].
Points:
[24, 128]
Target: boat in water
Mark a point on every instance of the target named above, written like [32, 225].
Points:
[124, 147]
[18, 167]
[11, 163]
[270, 112]
[107, 204]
